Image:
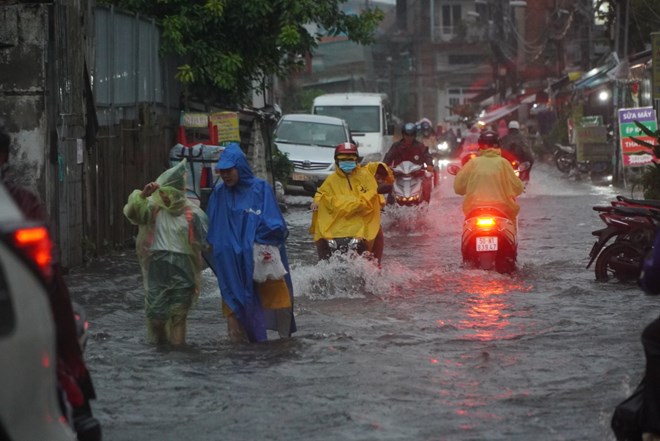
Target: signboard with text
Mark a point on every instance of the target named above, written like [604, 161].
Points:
[591, 143]
[634, 154]
[227, 124]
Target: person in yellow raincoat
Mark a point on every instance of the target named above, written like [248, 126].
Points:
[347, 204]
[171, 235]
[489, 180]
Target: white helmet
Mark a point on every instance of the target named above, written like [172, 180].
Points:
[514, 125]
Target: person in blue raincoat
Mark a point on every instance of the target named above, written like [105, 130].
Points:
[243, 211]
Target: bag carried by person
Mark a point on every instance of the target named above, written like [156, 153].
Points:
[267, 263]
[627, 419]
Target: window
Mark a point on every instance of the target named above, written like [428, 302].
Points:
[451, 19]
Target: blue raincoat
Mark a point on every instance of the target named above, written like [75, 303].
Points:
[239, 217]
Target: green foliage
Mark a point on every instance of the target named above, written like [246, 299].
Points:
[230, 45]
[281, 166]
[650, 178]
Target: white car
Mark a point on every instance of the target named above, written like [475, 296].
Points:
[309, 141]
[29, 407]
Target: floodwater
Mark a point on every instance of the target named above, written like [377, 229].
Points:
[422, 349]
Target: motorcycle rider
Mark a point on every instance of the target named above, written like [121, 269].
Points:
[515, 143]
[489, 180]
[347, 204]
[410, 149]
[428, 138]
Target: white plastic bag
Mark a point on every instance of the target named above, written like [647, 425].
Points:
[267, 263]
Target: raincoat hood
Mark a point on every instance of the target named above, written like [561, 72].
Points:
[373, 167]
[233, 157]
[492, 151]
[173, 184]
[489, 180]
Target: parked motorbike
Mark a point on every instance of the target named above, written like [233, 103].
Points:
[412, 184]
[632, 227]
[565, 157]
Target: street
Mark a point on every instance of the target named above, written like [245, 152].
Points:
[422, 349]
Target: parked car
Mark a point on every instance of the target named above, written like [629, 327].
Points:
[309, 141]
[29, 406]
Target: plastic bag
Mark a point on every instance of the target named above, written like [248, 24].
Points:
[267, 263]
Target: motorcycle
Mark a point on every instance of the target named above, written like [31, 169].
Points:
[489, 239]
[412, 184]
[565, 157]
[341, 245]
[633, 228]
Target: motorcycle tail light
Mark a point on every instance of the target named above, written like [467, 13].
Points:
[36, 245]
[485, 222]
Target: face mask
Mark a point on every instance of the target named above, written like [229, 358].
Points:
[347, 166]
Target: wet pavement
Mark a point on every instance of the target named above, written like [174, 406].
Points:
[423, 349]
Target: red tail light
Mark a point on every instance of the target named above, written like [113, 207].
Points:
[36, 245]
[485, 222]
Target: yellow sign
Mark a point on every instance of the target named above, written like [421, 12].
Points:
[227, 124]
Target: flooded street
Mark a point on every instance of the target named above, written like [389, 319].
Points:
[422, 349]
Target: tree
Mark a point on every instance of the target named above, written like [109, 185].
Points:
[229, 47]
[643, 16]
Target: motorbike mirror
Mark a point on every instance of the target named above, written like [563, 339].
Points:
[385, 188]
[453, 169]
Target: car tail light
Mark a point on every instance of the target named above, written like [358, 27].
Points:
[36, 246]
[485, 222]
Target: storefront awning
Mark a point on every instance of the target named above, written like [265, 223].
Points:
[598, 75]
[496, 114]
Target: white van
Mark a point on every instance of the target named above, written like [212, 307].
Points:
[369, 118]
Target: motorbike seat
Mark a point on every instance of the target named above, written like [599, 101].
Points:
[638, 211]
[646, 202]
[481, 211]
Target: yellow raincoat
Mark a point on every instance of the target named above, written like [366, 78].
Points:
[389, 179]
[348, 206]
[489, 180]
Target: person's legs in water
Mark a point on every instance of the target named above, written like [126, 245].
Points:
[284, 316]
[378, 246]
[156, 331]
[177, 329]
[322, 249]
[235, 330]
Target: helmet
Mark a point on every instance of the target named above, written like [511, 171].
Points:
[409, 129]
[488, 139]
[425, 128]
[346, 148]
[514, 125]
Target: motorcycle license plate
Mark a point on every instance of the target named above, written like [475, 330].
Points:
[487, 243]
